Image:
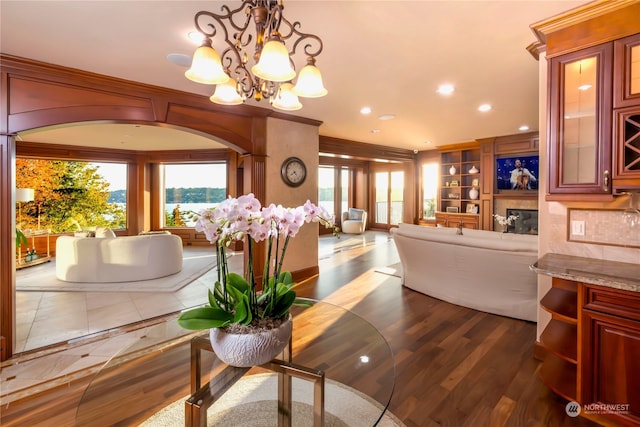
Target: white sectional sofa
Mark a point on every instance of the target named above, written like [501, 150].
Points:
[117, 259]
[484, 270]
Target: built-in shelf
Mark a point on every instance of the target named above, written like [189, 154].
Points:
[560, 338]
[562, 304]
[560, 376]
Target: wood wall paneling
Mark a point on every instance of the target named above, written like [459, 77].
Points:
[361, 150]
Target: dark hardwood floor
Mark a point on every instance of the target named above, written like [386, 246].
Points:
[454, 366]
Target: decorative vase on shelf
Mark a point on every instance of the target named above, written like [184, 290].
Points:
[244, 350]
[452, 170]
[474, 193]
[473, 169]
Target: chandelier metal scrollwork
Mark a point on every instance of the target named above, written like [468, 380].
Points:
[274, 70]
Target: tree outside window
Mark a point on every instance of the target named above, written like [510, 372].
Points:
[69, 196]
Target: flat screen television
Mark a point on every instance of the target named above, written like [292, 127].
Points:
[517, 173]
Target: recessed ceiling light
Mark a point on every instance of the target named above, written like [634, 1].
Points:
[584, 87]
[445, 89]
[375, 130]
[387, 117]
[484, 107]
[365, 110]
[523, 128]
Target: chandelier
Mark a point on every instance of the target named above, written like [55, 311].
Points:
[272, 75]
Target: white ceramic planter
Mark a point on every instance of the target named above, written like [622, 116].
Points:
[245, 350]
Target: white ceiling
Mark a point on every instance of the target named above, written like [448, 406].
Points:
[388, 55]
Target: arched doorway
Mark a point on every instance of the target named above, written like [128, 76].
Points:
[35, 96]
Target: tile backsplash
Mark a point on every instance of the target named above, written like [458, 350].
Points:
[601, 226]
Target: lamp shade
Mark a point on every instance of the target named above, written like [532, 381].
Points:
[25, 194]
[274, 64]
[206, 66]
[309, 84]
[285, 99]
[226, 94]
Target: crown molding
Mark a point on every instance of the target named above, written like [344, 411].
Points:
[577, 15]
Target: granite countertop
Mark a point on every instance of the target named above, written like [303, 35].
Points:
[612, 274]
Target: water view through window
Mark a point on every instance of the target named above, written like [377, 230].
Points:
[189, 188]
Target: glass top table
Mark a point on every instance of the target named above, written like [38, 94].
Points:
[152, 379]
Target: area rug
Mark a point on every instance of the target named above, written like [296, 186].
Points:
[391, 270]
[249, 404]
[42, 278]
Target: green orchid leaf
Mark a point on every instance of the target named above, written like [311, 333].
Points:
[281, 289]
[243, 312]
[284, 304]
[302, 302]
[204, 318]
[234, 293]
[286, 278]
[219, 295]
[238, 282]
[212, 299]
[262, 298]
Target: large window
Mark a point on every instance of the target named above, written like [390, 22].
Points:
[389, 197]
[70, 195]
[188, 188]
[429, 190]
[334, 189]
[326, 188]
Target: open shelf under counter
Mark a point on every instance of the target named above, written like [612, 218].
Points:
[562, 304]
[561, 339]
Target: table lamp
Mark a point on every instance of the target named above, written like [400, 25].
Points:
[23, 195]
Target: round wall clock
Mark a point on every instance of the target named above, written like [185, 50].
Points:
[293, 171]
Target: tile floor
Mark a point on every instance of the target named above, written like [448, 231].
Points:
[67, 335]
[47, 318]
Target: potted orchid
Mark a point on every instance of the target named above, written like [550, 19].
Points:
[505, 221]
[238, 308]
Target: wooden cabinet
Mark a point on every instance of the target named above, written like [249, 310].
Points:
[594, 119]
[460, 181]
[591, 346]
[627, 72]
[626, 116]
[559, 340]
[580, 121]
[458, 220]
[610, 365]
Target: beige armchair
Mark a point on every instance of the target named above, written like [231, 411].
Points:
[354, 221]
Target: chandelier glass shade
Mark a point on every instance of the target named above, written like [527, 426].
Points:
[286, 99]
[272, 75]
[206, 67]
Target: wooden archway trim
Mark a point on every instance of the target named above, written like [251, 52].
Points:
[35, 94]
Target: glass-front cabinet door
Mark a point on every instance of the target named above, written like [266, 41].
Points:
[580, 137]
